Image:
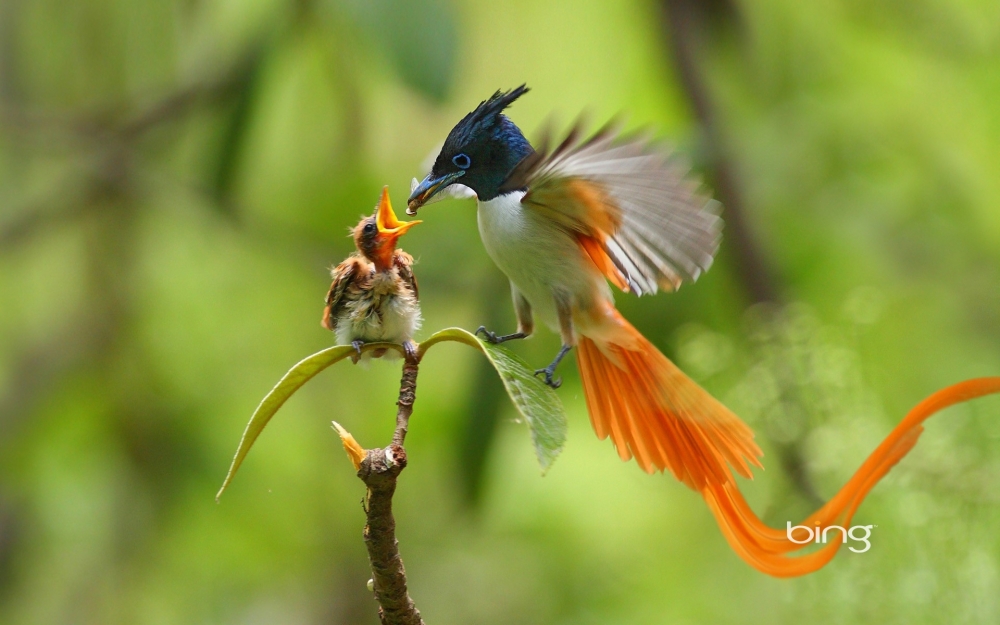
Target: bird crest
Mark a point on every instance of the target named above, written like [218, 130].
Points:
[483, 118]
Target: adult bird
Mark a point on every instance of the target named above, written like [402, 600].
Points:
[374, 293]
[562, 224]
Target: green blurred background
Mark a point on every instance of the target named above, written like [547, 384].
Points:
[177, 176]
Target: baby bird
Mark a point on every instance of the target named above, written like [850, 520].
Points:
[374, 292]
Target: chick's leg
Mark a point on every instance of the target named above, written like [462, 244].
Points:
[357, 345]
[411, 350]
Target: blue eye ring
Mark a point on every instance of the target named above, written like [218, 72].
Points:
[462, 161]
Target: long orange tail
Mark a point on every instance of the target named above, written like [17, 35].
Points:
[767, 549]
[654, 412]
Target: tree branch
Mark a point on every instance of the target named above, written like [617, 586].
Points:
[407, 395]
[683, 26]
[379, 471]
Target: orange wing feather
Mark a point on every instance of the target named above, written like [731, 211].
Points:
[599, 255]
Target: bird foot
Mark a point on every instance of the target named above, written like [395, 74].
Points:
[551, 369]
[549, 380]
[494, 339]
[410, 349]
[490, 337]
[357, 345]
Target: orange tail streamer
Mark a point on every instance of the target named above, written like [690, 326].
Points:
[655, 413]
[766, 549]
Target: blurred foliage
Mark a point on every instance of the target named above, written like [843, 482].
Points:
[418, 39]
[175, 176]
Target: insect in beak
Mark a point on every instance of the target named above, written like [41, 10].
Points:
[428, 188]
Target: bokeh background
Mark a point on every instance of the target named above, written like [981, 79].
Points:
[176, 177]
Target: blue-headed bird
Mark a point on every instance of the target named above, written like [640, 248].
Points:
[561, 224]
[374, 293]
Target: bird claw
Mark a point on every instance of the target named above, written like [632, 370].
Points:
[551, 369]
[549, 381]
[410, 349]
[357, 345]
[493, 339]
[490, 337]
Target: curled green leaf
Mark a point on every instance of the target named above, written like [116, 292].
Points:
[292, 381]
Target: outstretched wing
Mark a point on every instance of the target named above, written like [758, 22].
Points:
[633, 207]
[344, 276]
[404, 266]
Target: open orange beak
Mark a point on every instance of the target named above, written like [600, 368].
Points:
[385, 218]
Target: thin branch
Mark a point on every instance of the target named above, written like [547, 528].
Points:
[379, 471]
[407, 395]
[118, 120]
[71, 198]
[683, 23]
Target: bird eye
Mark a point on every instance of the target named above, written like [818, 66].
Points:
[369, 228]
[462, 161]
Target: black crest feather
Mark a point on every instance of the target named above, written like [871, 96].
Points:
[484, 116]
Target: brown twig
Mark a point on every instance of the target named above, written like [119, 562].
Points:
[379, 471]
[407, 395]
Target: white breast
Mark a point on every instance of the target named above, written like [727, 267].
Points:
[536, 254]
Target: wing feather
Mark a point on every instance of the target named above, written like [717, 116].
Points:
[344, 276]
[638, 201]
[404, 266]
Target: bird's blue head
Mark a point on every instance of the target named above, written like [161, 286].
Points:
[480, 151]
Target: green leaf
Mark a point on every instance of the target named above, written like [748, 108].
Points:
[537, 403]
[298, 375]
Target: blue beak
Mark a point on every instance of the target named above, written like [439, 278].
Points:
[428, 188]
